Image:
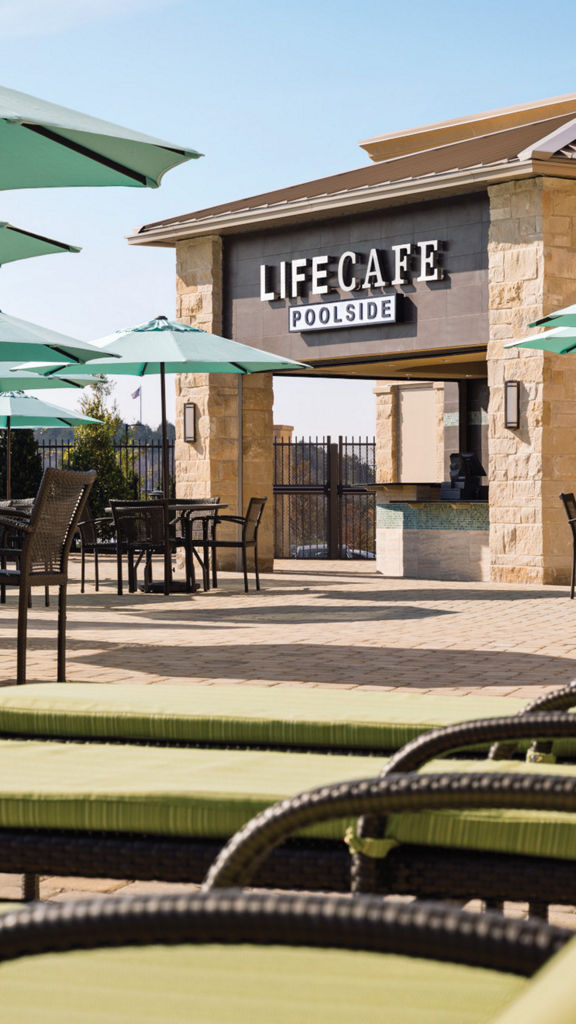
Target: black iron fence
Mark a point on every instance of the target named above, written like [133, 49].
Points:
[141, 461]
[322, 508]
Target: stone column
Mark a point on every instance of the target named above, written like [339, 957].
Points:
[210, 466]
[386, 433]
[532, 271]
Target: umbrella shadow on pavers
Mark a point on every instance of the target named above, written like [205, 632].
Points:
[440, 593]
[361, 665]
[230, 618]
[264, 615]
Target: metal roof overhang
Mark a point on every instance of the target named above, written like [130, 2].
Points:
[350, 201]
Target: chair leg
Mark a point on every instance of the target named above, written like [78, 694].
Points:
[47, 597]
[214, 568]
[30, 887]
[61, 634]
[82, 568]
[573, 570]
[245, 568]
[256, 566]
[131, 573]
[22, 632]
[190, 572]
[119, 569]
[96, 571]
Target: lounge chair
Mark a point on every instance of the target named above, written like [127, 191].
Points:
[280, 958]
[153, 795]
[475, 834]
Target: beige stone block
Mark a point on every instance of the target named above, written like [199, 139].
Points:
[522, 263]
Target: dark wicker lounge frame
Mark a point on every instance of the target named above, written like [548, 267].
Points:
[429, 931]
[431, 872]
[320, 864]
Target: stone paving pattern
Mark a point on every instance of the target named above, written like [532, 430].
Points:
[315, 624]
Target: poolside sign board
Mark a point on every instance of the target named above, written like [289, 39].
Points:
[327, 316]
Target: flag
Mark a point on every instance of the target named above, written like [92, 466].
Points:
[136, 394]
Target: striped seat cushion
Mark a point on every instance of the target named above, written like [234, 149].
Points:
[244, 715]
[249, 985]
[211, 793]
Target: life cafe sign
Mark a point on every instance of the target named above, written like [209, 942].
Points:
[350, 272]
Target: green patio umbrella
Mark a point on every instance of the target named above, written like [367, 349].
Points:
[21, 340]
[162, 346]
[22, 412]
[44, 145]
[558, 341]
[17, 244]
[561, 318]
[25, 380]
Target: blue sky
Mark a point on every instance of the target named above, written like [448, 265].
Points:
[273, 95]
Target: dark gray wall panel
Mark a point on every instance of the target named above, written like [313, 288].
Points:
[452, 313]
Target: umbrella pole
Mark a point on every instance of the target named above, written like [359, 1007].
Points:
[165, 485]
[8, 459]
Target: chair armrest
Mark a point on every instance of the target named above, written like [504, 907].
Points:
[21, 525]
[228, 519]
[538, 725]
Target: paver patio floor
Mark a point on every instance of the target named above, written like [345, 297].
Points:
[318, 624]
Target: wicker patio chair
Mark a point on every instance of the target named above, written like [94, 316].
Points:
[95, 539]
[141, 531]
[273, 958]
[248, 538]
[196, 530]
[43, 557]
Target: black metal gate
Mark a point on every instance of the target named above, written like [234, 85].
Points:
[321, 506]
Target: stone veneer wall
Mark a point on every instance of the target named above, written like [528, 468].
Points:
[210, 465]
[532, 271]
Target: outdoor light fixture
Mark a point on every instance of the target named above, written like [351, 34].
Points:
[512, 404]
[189, 421]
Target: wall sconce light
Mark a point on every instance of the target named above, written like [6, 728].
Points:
[189, 421]
[512, 404]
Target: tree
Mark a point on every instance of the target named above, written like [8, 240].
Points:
[26, 463]
[94, 448]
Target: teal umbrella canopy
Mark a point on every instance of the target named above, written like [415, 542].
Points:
[44, 145]
[23, 412]
[17, 244]
[21, 340]
[162, 346]
[177, 348]
[22, 380]
[18, 410]
[561, 318]
[558, 341]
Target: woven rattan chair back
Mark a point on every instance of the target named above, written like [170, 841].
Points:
[252, 519]
[43, 560]
[140, 523]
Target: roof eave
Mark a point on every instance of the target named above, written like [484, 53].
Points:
[350, 201]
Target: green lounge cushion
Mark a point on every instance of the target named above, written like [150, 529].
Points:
[218, 984]
[212, 793]
[550, 996]
[245, 715]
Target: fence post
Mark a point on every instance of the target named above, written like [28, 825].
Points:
[333, 500]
